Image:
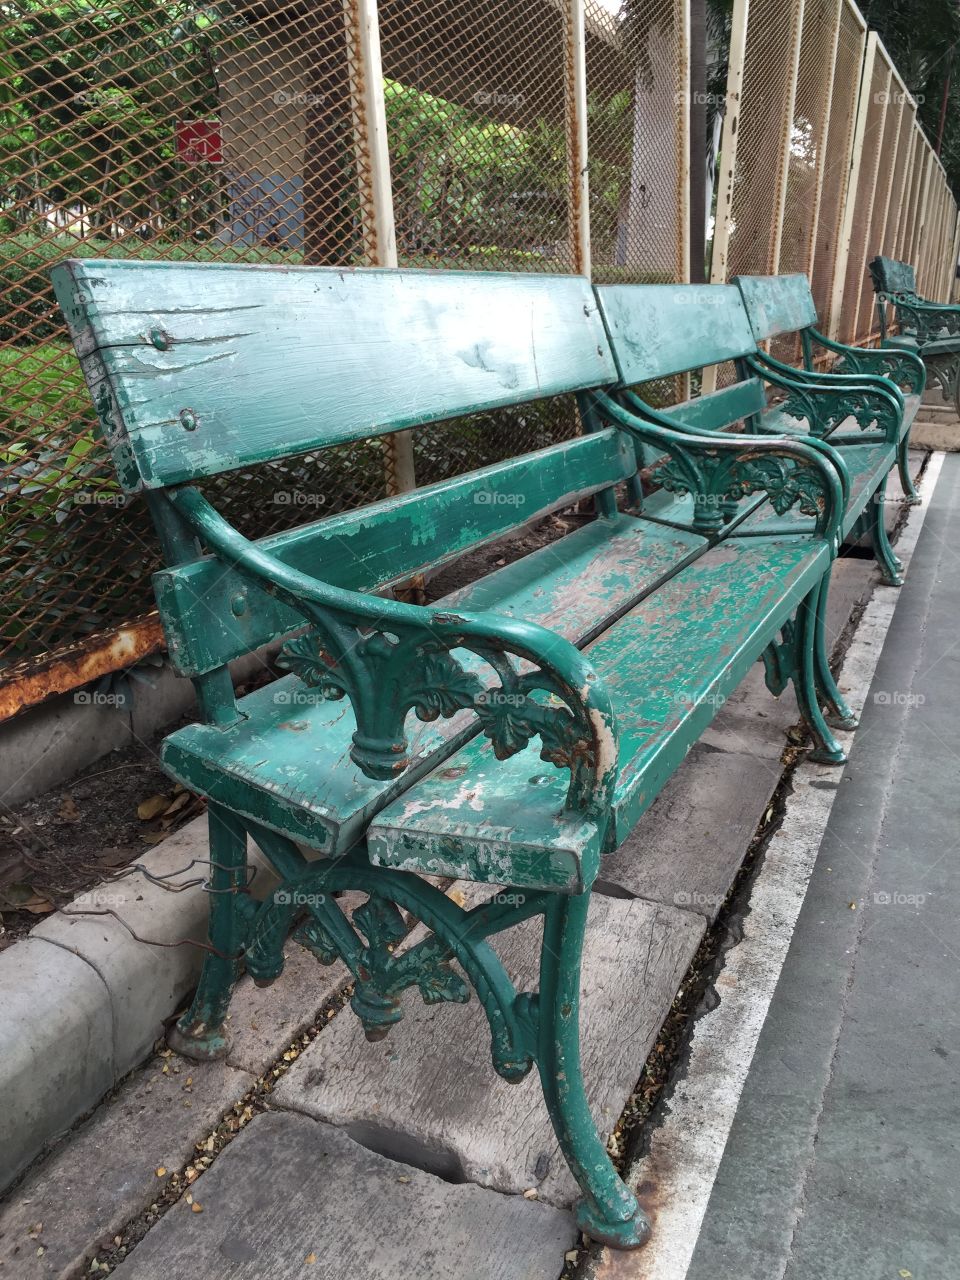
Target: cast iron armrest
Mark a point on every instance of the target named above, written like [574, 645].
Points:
[834, 381]
[825, 407]
[632, 402]
[899, 366]
[719, 469]
[388, 657]
[929, 319]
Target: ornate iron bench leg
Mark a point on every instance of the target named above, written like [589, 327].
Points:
[200, 1031]
[609, 1211]
[838, 713]
[795, 658]
[887, 562]
[903, 466]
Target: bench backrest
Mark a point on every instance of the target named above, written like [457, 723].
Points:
[893, 278]
[199, 368]
[661, 329]
[777, 304]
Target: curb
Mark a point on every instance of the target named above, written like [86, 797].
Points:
[84, 1001]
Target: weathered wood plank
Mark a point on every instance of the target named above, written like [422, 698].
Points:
[290, 1197]
[199, 368]
[777, 304]
[722, 408]
[383, 543]
[428, 1094]
[659, 329]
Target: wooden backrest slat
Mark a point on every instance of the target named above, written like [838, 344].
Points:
[777, 304]
[661, 329]
[369, 549]
[722, 408]
[201, 368]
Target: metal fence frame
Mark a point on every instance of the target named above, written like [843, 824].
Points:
[879, 186]
[852, 174]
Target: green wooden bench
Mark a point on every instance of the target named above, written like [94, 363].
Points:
[864, 417]
[509, 734]
[930, 330]
[846, 396]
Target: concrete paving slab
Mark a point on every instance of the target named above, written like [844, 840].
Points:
[264, 1020]
[428, 1093]
[105, 1174]
[291, 1197]
[50, 999]
[688, 846]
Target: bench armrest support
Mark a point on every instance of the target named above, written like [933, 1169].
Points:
[721, 468]
[831, 380]
[928, 319]
[825, 407]
[388, 658]
[904, 368]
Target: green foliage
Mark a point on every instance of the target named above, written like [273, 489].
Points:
[922, 38]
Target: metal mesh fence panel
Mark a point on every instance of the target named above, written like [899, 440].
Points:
[636, 116]
[875, 106]
[808, 134]
[842, 117]
[167, 131]
[892, 105]
[763, 127]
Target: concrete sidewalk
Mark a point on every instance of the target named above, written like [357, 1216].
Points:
[844, 1155]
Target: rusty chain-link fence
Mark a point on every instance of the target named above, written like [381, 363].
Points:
[521, 135]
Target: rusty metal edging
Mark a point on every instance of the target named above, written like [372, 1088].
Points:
[32, 683]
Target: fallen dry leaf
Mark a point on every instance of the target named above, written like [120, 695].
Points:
[152, 807]
[68, 809]
[197, 1207]
[23, 897]
[311, 1257]
[161, 1171]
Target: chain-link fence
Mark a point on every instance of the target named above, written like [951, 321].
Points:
[521, 135]
[824, 164]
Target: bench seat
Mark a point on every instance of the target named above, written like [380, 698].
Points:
[288, 756]
[669, 664]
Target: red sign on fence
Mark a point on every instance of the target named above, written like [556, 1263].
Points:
[199, 142]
